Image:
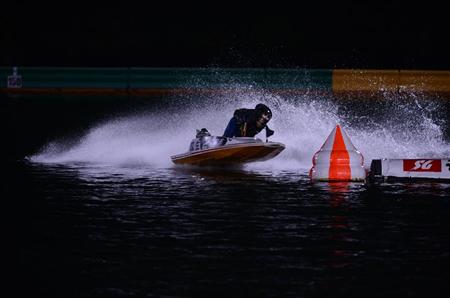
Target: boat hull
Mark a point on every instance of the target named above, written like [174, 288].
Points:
[230, 154]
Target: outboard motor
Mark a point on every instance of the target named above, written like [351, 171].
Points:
[204, 140]
[202, 133]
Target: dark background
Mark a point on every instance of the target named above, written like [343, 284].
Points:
[319, 35]
[401, 236]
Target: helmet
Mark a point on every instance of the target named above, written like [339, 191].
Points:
[263, 114]
[263, 109]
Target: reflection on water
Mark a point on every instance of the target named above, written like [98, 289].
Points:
[108, 231]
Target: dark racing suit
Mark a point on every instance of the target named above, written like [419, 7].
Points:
[242, 124]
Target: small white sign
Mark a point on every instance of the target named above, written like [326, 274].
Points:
[14, 80]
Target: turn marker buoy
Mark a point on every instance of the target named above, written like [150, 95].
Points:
[338, 159]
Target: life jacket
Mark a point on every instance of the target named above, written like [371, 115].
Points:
[246, 121]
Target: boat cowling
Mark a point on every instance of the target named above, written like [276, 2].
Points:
[206, 142]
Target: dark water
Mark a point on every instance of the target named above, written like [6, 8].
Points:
[102, 231]
[140, 227]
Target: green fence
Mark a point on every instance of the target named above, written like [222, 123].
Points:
[167, 78]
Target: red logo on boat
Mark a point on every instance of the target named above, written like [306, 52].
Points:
[422, 165]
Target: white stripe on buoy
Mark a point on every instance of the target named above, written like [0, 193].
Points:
[338, 159]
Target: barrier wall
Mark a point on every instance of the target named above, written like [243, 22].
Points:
[391, 81]
[142, 80]
[126, 81]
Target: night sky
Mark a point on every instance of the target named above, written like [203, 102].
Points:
[226, 35]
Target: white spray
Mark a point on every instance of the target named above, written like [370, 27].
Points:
[302, 123]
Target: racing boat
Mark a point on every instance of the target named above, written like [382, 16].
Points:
[213, 150]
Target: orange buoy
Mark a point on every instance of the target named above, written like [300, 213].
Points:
[338, 159]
